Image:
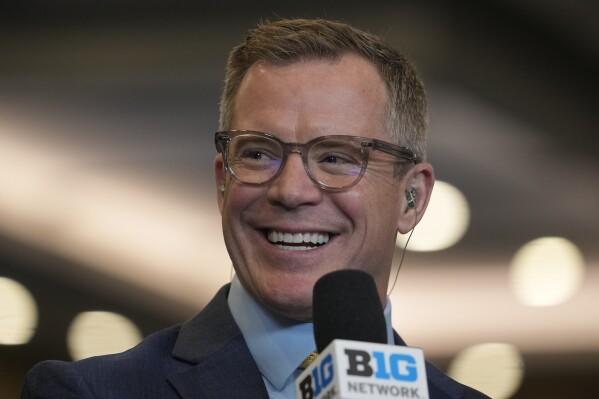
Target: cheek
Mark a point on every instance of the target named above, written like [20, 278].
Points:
[380, 212]
[372, 203]
[237, 200]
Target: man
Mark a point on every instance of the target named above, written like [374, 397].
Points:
[320, 164]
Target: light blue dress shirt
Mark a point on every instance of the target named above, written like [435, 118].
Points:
[277, 344]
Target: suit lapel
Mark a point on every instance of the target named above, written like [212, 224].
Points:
[231, 373]
[221, 364]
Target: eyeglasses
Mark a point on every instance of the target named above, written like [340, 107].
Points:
[334, 163]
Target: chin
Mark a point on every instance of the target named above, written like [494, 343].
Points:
[290, 302]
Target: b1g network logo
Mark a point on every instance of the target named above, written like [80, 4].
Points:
[350, 369]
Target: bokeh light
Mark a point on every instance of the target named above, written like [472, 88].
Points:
[18, 313]
[496, 369]
[546, 271]
[99, 333]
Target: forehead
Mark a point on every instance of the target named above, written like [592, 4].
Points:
[313, 97]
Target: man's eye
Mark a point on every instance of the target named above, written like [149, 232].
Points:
[338, 159]
[331, 159]
[257, 155]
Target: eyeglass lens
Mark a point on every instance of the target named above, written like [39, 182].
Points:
[332, 162]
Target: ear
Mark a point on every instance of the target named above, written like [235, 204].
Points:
[220, 177]
[421, 179]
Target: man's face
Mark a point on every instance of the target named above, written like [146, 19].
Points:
[297, 103]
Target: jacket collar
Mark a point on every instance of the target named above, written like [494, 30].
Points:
[222, 365]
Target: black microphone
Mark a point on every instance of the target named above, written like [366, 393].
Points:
[346, 305]
[351, 337]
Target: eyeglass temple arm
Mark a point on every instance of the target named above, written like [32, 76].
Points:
[392, 149]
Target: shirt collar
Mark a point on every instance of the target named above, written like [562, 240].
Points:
[277, 344]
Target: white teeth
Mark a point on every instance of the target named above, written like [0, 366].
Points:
[314, 238]
[297, 238]
[296, 248]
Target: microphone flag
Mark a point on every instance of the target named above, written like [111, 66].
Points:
[364, 370]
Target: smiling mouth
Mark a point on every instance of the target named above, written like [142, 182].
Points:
[297, 241]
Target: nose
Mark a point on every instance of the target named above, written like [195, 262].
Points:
[293, 187]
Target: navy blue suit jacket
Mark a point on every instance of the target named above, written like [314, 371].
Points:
[206, 357]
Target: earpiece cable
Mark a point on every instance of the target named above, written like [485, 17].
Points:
[403, 252]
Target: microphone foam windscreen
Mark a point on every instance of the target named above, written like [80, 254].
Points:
[346, 305]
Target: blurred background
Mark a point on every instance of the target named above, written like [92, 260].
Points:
[109, 228]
